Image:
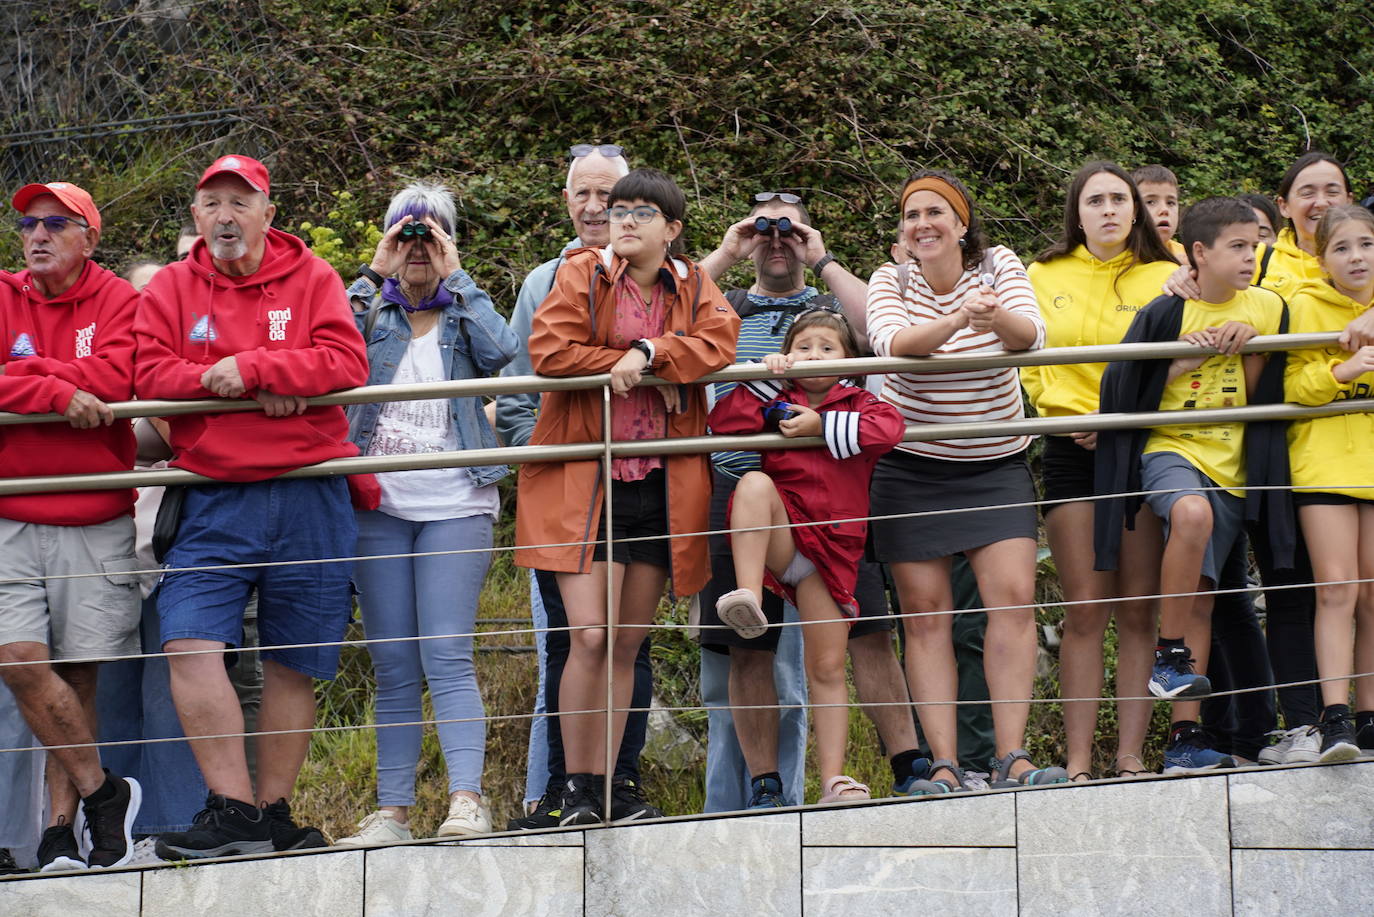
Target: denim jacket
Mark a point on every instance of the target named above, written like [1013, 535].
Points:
[475, 340]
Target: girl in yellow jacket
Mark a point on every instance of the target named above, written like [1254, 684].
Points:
[1332, 461]
[1107, 265]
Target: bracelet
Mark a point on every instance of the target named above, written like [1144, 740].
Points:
[645, 348]
[820, 265]
[365, 270]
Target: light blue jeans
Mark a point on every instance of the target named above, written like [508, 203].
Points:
[423, 596]
[537, 758]
[727, 776]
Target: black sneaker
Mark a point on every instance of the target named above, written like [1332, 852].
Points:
[224, 827]
[1338, 739]
[628, 802]
[767, 794]
[57, 851]
[546, 814]
[582, 804]
[110, 824]
[1364, 733]
[286, 834]
[7, 865]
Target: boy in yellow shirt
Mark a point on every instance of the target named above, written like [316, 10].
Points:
[1159, 193]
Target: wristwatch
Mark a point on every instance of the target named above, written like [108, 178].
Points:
[365, 270]
[643, 347]
[820, 265]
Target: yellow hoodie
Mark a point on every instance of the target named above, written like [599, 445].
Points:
[1085, 302]
[1289, 266]
[1327, 454]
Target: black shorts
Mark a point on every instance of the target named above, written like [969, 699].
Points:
[870, 591]
[1066, 471]
[1322, 498]
[639, 510]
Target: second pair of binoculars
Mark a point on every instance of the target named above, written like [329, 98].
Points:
[415, 230]
[765, 224]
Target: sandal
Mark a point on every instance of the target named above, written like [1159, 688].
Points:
[740, 609]
[929, 787]
[1127, 773]
[1087, 777]
[1042, 776]
[842, 789]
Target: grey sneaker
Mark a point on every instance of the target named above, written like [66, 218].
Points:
[1306, 746]
[1281, 740]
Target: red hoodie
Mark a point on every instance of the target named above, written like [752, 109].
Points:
[80, 339]
[291, 328]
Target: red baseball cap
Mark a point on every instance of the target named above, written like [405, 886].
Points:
[250, 170]
[75, 199]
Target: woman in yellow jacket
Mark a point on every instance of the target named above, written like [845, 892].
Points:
[1332, 461]
[1107, 265]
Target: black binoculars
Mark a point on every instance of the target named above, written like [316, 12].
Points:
[775, 411]
[782, 224]
[414, 230]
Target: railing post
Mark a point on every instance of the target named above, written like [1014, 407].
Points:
[612, 602]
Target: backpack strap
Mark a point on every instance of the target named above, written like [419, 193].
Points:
[1264, 266]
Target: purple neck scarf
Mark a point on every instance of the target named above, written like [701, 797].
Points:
[391, 292]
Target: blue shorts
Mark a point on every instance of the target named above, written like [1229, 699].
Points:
[1178, 477]
[267, 521]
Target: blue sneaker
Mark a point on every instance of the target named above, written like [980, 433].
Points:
[767, 794]
[1173, 676]
[920, 770]
[1190, 753]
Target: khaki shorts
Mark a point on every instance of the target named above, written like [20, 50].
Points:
[83, 617]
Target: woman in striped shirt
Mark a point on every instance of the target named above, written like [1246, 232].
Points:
[973, 496]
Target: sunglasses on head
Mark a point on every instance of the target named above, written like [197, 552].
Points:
[609, 150]
[54, 224]
[764, 197]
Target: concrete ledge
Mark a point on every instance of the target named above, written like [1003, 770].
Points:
[1258, 841]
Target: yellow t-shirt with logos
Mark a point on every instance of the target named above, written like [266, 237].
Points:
[1217, 450]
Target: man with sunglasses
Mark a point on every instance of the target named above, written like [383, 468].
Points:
[592, 171]
[68, 349]
[756, 757]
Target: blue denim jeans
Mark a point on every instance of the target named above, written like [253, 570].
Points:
[727, 776]
[21, 782]
[134, 701]
[425, 597]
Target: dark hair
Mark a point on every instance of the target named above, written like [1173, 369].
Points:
[826, 318]
[1142, 242]
[777, 202]
[1310, 158]
[657, 188]
[1267, 206]
[1154, 173]
[975, 242]
[1206, 220]
[1335, 216]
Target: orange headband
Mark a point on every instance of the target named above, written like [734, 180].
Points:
[940, 187]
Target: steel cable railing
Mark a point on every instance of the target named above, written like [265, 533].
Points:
[607, 449]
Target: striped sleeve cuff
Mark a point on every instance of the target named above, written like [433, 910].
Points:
[841, 431]
[764, 389]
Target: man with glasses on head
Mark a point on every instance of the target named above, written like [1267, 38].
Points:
[592, 171]
[68, 595]
[756, 757]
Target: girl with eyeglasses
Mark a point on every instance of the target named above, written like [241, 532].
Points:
[973, 496]
[633, 307]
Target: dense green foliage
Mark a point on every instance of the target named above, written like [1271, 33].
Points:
[836, 100]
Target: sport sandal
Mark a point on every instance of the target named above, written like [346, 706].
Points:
[953, 782]
[842, 789]
[1042, 776]
[740, 609]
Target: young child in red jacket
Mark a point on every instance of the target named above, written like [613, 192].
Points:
[813, 566]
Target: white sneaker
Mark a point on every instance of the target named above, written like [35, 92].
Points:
[466, 817]
[377, 828]
[1276, 753]
[1306, 747]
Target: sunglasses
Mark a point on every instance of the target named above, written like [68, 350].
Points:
[764, 197]
[640, 214]
[53, 224]
[609, 150]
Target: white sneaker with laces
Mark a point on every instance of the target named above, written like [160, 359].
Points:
[1306, 747]
[466, 817]
[377, 828]
[1275, 754]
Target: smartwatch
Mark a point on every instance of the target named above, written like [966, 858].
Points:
[365, 270]
[645, 348]
[820, 265]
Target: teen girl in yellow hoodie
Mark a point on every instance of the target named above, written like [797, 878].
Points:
[1330, 458]
[1106, 266]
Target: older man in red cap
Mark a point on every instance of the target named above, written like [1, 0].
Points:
[251, 313]
[68, 596]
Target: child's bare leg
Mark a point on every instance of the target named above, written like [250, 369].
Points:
[825, 637]
[1190, 528]
[1332, 534]
[756, 503]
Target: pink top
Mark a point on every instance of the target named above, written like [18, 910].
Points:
[642, 415]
